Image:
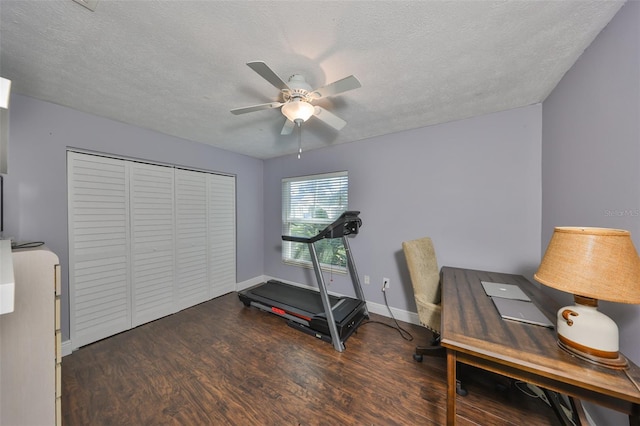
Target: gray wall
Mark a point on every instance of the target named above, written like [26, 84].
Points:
[591, 154]
[36, 185]
[473, 186]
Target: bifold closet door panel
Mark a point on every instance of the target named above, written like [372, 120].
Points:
[152, 242]
[192, 279]
[99, 253]
[222, 234]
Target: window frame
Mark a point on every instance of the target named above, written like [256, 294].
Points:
[339, 178]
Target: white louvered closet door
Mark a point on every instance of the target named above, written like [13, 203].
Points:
[145, 241]
[98, 247]
[222, 234]
[192, 279]
[152, 242]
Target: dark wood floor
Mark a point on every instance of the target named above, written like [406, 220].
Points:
[222, 363]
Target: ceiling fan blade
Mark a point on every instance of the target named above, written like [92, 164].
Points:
[337, 87]
[268, 74]
[287, 129]
[329, 118]
[253, 108]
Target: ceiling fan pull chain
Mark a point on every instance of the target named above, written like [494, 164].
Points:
[299, 123]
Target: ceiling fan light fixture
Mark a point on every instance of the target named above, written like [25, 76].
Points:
[297, 109]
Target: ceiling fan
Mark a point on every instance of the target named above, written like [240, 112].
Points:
[297, 97]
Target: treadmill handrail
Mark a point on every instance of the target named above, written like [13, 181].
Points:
[348, 223]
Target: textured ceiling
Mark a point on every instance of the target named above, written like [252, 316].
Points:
[178, 67]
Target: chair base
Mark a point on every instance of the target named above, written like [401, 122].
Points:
[436, 350]
[429, 351]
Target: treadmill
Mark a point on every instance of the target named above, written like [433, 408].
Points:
[329, 318]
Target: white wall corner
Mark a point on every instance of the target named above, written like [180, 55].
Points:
[251, 282]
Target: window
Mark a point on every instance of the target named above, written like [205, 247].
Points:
[309, 204]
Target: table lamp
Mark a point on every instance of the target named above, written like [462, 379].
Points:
[593, 264]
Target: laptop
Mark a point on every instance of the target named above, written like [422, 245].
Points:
[504, 291]
[519, 310]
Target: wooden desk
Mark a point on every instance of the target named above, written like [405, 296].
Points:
[474, 333]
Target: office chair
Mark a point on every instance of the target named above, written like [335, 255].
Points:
[425, 279]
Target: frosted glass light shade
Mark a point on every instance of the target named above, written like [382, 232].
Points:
[297, 110]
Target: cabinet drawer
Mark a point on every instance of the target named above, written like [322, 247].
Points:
[58, 380]
[57, 314]
[58, 281]
[58, 346]
[58, 411]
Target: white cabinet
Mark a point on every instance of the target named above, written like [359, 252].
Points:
[30, 343]
[145, 241]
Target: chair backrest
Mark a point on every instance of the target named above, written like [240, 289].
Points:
[423, 269]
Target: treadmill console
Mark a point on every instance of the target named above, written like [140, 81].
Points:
[348, 223]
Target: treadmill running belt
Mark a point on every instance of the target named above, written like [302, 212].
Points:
[301, 298]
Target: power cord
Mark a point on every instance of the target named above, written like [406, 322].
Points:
[532, 391]
[31, 244]
[403, 333]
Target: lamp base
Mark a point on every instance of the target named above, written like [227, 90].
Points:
[589, 334]
[619, 363]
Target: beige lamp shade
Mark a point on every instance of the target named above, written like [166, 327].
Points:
[599, 263]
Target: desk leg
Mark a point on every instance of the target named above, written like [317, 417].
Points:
[451, 387]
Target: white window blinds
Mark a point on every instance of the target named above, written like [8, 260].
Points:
[309, 204]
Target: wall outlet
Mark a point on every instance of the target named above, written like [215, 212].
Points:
[385, 283]
[367, 280]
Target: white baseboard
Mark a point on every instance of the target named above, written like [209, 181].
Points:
[373, 307]
[399, 314]
[251, 282]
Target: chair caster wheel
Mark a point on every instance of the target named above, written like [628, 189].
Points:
[417, 357]
[460, 390]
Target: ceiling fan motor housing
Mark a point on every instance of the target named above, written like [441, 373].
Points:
[300, 89]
